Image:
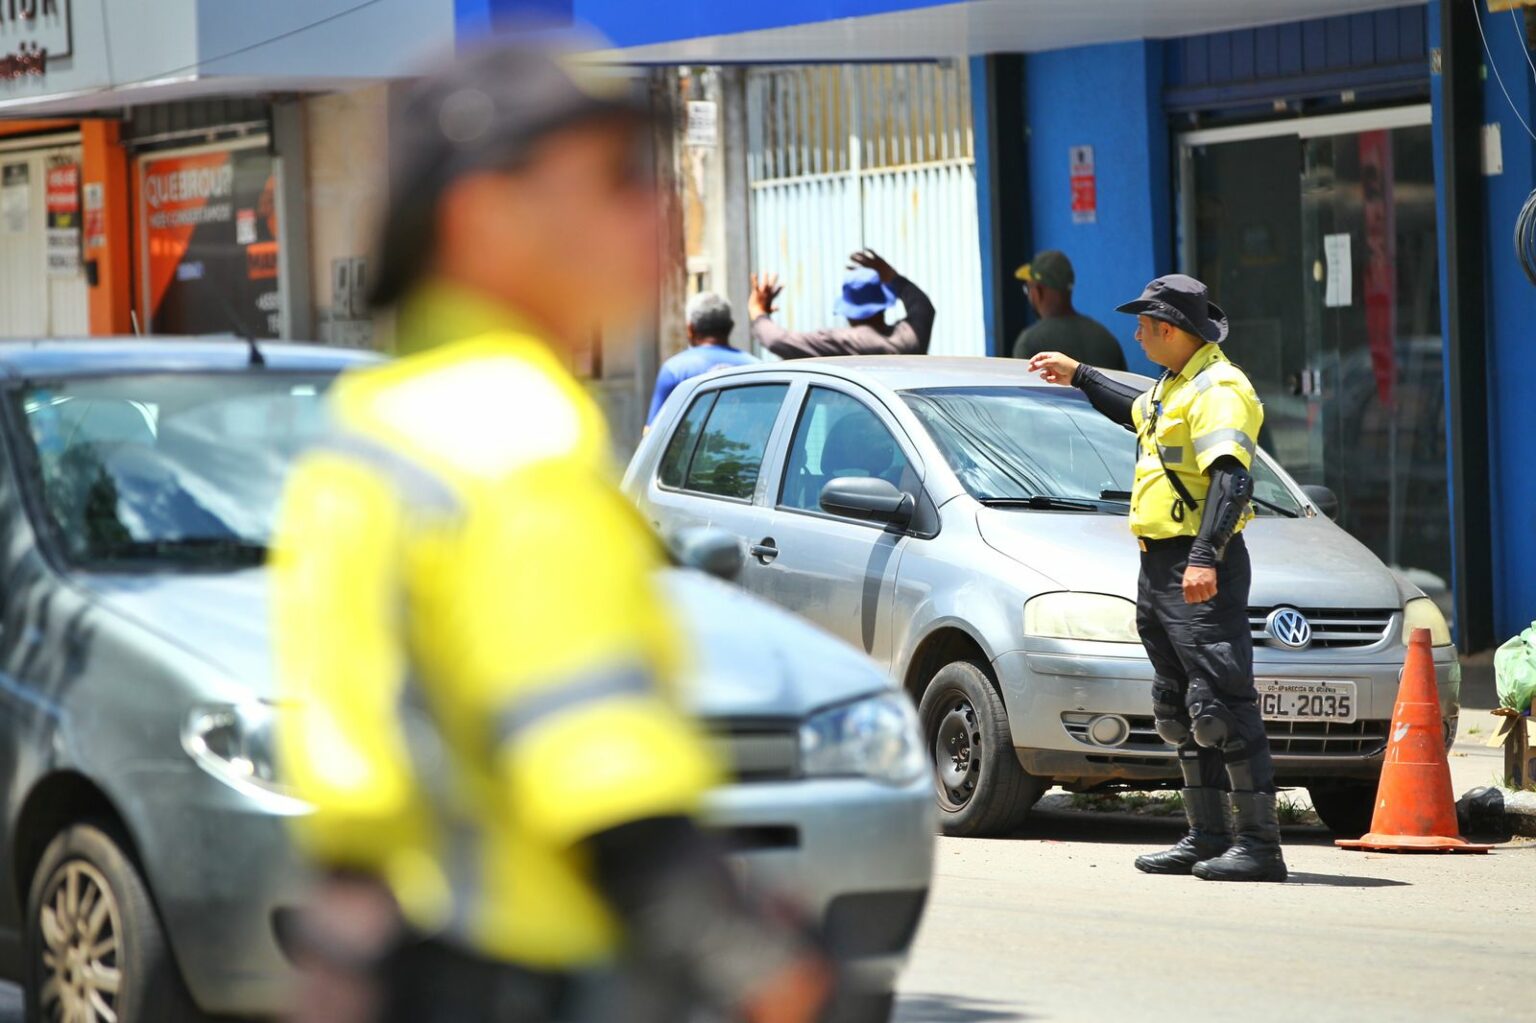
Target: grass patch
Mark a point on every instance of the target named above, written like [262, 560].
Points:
[1291, 812]
[1474, 729]
[1146, 804]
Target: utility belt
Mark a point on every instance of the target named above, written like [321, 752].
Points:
[1178, 544]
[1157, 546]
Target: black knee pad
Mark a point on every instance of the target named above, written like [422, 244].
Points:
[1214, 725]
[1169, 716]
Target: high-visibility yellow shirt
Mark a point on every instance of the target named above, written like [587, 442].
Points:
[1206, 410]
[477, 671]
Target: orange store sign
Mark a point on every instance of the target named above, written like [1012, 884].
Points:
[211, 242]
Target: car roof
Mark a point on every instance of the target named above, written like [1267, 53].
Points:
[911, 372]
[84, 357]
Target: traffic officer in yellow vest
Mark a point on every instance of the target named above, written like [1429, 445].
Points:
[482, 675]
[1196, 431]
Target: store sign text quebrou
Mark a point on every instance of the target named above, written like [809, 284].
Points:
[33, 32]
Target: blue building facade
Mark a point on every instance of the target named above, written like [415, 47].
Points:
[1345, 175]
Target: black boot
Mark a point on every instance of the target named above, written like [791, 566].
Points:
[1207, 838]
[1255, 856]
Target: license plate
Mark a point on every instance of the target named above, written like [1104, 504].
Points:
[1295, 700]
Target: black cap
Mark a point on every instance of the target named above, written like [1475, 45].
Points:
[487, 110]
[1183, 302]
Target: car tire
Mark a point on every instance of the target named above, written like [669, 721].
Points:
[1345, 808]
[861, 1008]
[982, 790]
[89, 905]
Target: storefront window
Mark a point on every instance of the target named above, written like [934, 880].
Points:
[210, 237]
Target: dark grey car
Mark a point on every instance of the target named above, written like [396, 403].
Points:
[145, 854]
[965, 525]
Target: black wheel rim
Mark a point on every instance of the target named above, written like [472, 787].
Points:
[81, 949]
[956, 743]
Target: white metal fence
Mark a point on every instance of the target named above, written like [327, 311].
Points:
[876, 155]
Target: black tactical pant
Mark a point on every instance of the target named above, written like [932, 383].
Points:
[1202, 656]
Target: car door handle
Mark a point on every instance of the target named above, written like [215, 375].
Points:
[764, 550]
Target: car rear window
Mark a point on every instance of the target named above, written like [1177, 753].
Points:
[728, 455]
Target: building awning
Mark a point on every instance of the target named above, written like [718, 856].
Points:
[688, 32]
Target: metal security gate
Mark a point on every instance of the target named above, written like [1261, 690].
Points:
[877, 155]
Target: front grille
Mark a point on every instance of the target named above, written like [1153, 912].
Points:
[1332, 628]
[873, 923]
[1286, 738]
[757, 753]
[1329, 738]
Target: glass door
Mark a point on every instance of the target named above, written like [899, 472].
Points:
[1321, 247]
[1373, 303]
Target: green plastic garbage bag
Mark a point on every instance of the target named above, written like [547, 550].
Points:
[1514, 670]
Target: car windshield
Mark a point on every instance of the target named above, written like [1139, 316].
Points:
[1030, 445]
[172, 470]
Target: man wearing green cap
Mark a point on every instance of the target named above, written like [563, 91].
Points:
[1048, 280]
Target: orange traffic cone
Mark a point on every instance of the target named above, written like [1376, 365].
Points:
[1415, 810]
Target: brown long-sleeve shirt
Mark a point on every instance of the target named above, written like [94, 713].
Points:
[907, 337]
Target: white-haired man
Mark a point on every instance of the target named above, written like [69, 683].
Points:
[709, 348]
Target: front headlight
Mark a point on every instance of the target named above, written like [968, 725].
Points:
[1423, 613]
[1095, 616]
[876, 737]
[235, 743]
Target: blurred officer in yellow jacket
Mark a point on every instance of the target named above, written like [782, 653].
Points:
[480, 670]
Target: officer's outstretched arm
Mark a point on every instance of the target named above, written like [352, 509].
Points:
[1113, 399]
[1225, 502]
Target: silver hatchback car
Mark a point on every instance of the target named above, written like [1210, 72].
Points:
[965, 525]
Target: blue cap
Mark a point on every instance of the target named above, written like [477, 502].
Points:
[864, 295]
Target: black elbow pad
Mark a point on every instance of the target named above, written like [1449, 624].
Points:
[1231, 488]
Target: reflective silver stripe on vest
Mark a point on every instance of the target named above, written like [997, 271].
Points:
[1228, 436]
[1203, 381]
[419, 486]
[532, 709]
[439, 777]
[1172, 454]
[1145, 401]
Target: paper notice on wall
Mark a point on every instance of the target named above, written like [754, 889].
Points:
[61, 196]
[15, 198]
[1340, 289]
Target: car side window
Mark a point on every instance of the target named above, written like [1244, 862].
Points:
[674, 461]
[839, 436]
[729, 454]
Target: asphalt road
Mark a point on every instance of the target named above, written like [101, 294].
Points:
[1055, 924]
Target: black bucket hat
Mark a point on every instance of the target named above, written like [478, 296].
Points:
[1183, 302]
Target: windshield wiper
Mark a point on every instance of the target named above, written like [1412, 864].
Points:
[1277, 509]
[1040, 502]
[214, 547]
[1125, 495]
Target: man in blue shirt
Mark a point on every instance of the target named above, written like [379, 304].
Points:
[709, 339]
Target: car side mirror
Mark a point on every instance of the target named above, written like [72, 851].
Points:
[1326, 500]
[869, 498]
[711, 551]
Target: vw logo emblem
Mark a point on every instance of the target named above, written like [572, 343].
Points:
[1289, 627]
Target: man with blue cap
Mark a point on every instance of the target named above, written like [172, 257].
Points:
[1197, 430]
[871, 287]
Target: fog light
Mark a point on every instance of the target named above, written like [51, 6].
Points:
[1109, 730]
